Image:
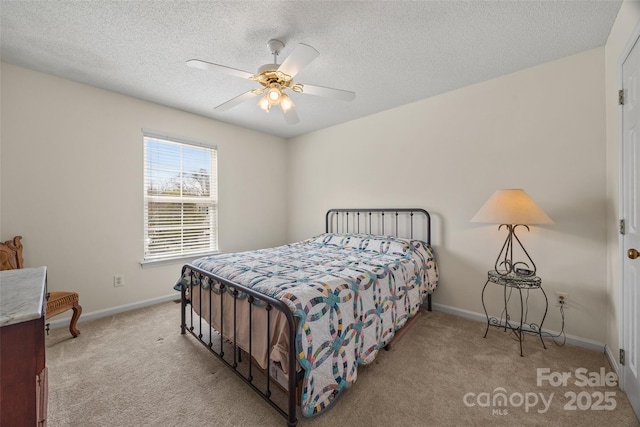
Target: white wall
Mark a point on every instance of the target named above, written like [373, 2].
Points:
[628, 18]
[541, 129]
[71, 184]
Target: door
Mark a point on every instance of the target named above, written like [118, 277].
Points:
[630, 199]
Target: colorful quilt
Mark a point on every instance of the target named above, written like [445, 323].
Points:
[351, 292]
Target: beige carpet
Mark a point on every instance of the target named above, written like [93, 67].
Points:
[135, 369]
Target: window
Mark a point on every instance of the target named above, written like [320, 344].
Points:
[180, 197]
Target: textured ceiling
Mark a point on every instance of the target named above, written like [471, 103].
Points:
[390, 53]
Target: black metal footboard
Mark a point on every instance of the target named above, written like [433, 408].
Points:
[202, 329]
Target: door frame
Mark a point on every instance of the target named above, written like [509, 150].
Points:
[635, 38]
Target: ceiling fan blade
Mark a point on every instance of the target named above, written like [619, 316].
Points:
[328, 92]
[204, 65]
[301, 56]
[291, 116]
[225, 106]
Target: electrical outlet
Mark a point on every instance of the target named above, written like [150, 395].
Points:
[118, 281]
[562, 299]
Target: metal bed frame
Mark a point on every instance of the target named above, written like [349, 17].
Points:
[359, 220]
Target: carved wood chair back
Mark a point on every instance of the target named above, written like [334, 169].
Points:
[11, 254]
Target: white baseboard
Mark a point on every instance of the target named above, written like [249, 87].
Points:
[478, 317]
[63, 321]
[613, 360]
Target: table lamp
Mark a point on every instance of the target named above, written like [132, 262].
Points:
[511, 209]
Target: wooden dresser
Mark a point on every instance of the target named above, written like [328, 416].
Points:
[23, 372]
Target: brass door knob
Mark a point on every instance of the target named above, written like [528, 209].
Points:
[633, 253]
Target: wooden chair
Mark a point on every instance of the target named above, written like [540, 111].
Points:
[57, 302]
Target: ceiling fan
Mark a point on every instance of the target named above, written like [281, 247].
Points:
[275, 79]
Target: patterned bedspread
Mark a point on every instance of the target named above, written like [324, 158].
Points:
[351, 292]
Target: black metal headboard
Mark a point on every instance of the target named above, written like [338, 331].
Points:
[398, 221]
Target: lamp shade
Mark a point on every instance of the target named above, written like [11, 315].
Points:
[512, 206]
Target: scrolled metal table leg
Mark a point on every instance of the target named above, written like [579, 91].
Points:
[485, 308]
[546, 308]
[520, 333]
[506, 309]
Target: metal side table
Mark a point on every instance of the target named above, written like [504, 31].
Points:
[512, 280]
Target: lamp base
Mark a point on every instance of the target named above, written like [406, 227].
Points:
[505, 263]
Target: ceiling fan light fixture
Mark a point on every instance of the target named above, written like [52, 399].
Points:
[274, 94]
[264, 104]
[286, 103]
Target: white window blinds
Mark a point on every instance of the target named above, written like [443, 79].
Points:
[180, 198]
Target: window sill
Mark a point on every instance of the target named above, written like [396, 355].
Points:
[176, 260]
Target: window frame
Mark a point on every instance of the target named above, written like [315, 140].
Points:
[212, 199]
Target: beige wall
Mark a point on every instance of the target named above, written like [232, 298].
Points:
[627, 20]
[541, 129]
[71, 184]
